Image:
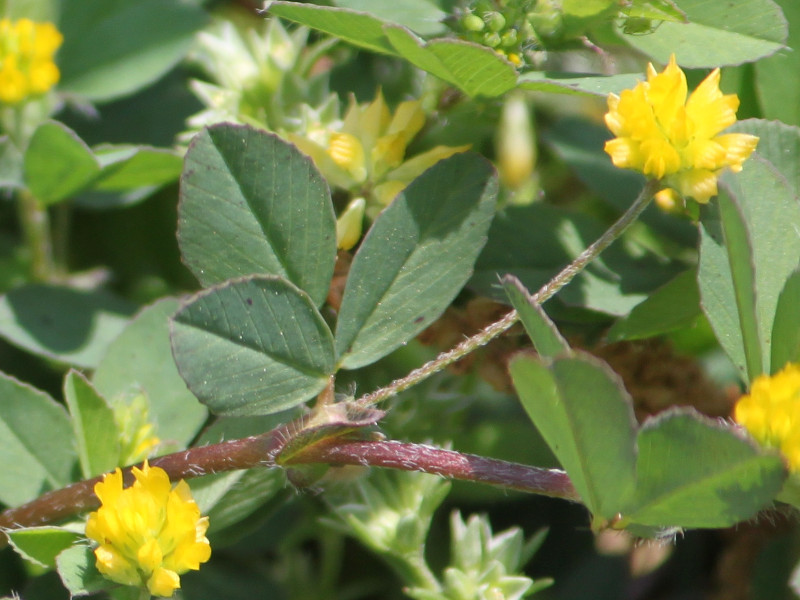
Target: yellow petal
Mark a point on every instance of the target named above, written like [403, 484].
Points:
[348, 153]
[149, 556]
[699, 184]
[115, 566]
[163, 582]
[407, 120]
[415, 166]
[738, 148]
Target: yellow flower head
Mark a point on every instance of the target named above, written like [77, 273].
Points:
[666, 136]
[149, 533]
[26, 59]
[771, 412]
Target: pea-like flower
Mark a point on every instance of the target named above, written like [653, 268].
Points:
[148, 533]
[26, 59]
[367, 154]
[666, 136]
[771, 412]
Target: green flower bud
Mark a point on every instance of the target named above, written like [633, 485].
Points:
[509, 39]
[492, 39]
[472, 22]
[495, 20]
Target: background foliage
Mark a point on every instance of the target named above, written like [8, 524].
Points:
[183, 281]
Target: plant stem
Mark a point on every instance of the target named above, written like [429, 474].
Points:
[263, 450]
[546, 292]
[35, 224]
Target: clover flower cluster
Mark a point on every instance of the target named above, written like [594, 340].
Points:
[771, 412]
[667, 136]
[26, 59]
[149, 533]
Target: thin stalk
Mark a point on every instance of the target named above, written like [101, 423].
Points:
[546, 292]
[35, 224]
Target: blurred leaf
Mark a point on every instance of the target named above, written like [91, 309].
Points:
[251, 203]
[37, 444]
[76, 567]
[738, 255]
[252, 346]
[535, 242]
[36, 10]
[416, 257]
[577, 83]
[581, 409]
[96, 435]
[421, 16]
[776, 85]
[786, 328]
[694, 472]
[358, 28]
[717, 34]
[126, 167]
[228, 498]
[477, 70]
[674, 305]
[140, 361]
[11, 164]
[58, 164]
[71, 326]
[115, 47]
[130, 174]
[664, 10]
[779, 144]
[41, 545]
[543, 333]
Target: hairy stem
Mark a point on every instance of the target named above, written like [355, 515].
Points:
[546, 292]
[262, 451]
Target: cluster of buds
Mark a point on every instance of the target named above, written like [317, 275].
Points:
[502, 25]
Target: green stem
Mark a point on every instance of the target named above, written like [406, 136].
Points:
[414, 571]
[144, 594]
[62, 214]
[35, 224]
[546, 292]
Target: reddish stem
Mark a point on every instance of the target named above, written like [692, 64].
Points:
[263, 449]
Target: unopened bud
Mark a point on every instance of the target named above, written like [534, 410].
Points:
[349, 223]
[516, 146]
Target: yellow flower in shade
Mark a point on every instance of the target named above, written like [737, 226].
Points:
[666, 136]
[137, 438]
[26, 59]
[148, 533]
[366, 154]
[771, 412]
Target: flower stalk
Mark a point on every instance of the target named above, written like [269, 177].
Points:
[546, 292]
